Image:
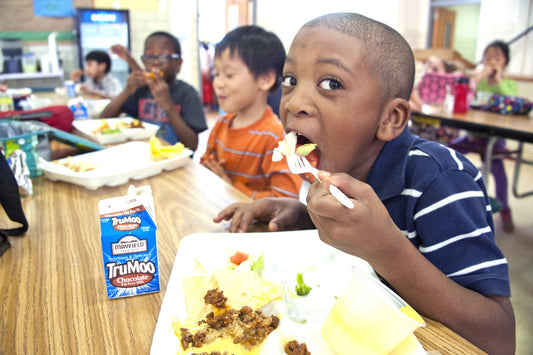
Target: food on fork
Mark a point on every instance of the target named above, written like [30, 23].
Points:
[287, 147]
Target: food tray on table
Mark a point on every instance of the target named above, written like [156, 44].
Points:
[324, 268]
[89, 128]
[113, 166]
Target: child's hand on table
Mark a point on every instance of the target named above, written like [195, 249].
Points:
[216, 166]
[281, 214]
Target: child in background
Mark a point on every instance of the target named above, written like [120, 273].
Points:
[157, 96]
[490, 79]
[248, 65]
[99, 82]
[422, 216]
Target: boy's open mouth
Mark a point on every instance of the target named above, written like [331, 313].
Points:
[314, 156]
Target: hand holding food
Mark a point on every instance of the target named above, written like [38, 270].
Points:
[151, 75]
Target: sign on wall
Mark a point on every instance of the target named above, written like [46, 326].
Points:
[53, 8]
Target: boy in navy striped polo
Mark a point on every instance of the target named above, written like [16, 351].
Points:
[422, 216]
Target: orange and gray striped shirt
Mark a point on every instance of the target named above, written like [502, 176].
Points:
[247, 153]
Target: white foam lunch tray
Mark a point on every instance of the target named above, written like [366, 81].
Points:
[86, 127]
[116, 165]
[301, 251]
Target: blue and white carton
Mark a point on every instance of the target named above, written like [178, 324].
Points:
[129, 244]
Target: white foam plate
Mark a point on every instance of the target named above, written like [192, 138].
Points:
[285, 254]
[116, 165]
[86, 127]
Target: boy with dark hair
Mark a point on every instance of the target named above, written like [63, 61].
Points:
[157, 96]
[100, 82]
[248, 66]
[422, 216]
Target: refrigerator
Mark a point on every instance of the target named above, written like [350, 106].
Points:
[99, 29]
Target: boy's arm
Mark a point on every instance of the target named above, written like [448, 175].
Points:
[281, 185]
[369, 232]
[114, 108]
[161, 93]
[125, 55]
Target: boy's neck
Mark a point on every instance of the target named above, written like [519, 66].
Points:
[98, 78]
[249, 115]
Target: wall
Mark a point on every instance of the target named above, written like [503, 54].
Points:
[286, 17]
[17, 21]
[504, 21]
[465, 34]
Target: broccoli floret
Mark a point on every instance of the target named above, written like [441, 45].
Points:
[301, 288]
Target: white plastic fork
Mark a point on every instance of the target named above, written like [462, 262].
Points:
[300, 165]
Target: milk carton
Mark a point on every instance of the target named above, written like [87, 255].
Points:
[129, 247]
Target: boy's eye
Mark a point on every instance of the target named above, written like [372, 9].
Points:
[330, 84]
[288, 81]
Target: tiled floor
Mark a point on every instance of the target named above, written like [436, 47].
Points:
[517, 247]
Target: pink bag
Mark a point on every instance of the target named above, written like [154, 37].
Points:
[432, 88]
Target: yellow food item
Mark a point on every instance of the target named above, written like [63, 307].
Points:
[411, 313]
[152, 75]
[305, 149]
[162, 152]
[99, 129]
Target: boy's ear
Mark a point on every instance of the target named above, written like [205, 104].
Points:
[266, 80]
[395, 116]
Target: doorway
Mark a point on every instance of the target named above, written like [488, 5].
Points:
[443, 28]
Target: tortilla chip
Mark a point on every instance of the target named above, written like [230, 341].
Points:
[246, 288]
[194, 289]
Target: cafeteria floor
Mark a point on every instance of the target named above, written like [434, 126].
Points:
[517, 247]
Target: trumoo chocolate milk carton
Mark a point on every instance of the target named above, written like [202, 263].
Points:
[129, 246]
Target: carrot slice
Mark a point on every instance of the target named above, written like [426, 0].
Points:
[238, 258]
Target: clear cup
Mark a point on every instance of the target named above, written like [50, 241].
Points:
[29, 63]
[368, 318]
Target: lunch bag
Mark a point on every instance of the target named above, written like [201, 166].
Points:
[10, 200]
[60, 117]
[508, 105]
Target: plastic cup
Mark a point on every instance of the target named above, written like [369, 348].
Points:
[29, 63]
[368, 318]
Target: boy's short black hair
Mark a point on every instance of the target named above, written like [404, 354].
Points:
[261, 50]
[501, 45]
[171, 38]
[100, 57]
[386, 53]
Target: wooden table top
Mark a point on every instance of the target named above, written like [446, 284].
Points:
[52, 284]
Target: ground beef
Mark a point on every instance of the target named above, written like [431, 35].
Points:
[216, 298]
[294, 348]
[246, 327]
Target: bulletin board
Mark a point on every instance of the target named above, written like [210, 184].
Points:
[18, 16]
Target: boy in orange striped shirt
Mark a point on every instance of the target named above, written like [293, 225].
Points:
[248, 66]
